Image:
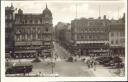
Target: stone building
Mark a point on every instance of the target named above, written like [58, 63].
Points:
[63, 35]
[59, 31]
[9, 34]
[117, 36]
[33, 34]
[90, 36]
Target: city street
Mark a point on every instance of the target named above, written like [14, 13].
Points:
[60, 51]
[62, 67]
[66, 69]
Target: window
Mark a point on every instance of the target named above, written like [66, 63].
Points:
[122, 40]
[112, 34]
[36, 21]
[41, 21]
[116, 41]
[46, 29]
[30, 21]
[82, 37]
[25, 21]
[39, 36]
[121, 34]
[112, 42]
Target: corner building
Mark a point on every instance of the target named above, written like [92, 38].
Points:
[117, 37]
[90, 36]
[9, 33]
[33, 34]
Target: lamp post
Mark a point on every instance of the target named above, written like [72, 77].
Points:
[53, 63]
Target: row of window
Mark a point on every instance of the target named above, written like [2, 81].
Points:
[8, 25]
[117, 34]
[34, 30]
[81, 30]
[118, 41]
[39, 21]
[93, 37]
[32, 37]
[89, 23]
[9, 17]
[30, 48]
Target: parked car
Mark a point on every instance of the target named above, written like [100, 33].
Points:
[19, 68]
[117, 59]
[103, 60]
[36, 60]
[118, 65]
[70, 59]
[115, 62]
[111, 63]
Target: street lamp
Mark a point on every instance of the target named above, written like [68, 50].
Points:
[53, 63]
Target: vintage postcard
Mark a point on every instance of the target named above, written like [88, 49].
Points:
[60, 40]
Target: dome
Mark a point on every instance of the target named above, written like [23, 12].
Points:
[46, 11]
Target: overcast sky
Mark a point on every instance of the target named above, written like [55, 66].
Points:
[65, 12]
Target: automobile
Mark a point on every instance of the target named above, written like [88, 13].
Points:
[18, 68]
[115, 62]
[117, 59]
[103, 60]
[111, 63]
[36, 60]
[70, 59]
[118, 65]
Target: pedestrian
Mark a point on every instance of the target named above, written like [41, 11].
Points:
[39, 74]
[88, 63]
[95, 66]
[55, 58]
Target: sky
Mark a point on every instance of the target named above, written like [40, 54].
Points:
[67, 11]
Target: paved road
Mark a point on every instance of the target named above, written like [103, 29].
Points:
[60, 51]
[63, 68]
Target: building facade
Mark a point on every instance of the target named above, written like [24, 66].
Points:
[9, 33]
[63, 34]
[90, 36]
[117, 36]
[33, 34]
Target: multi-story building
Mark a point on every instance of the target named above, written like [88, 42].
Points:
[90, 36]
[68, 39]
[33, 34]
[59, 32]
[117, 36]
[9, 34]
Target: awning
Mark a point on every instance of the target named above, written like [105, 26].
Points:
[26, 51]
[81, 42]
[99, 51]
[28, 43]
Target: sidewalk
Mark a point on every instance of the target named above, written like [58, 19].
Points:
[104, 72]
